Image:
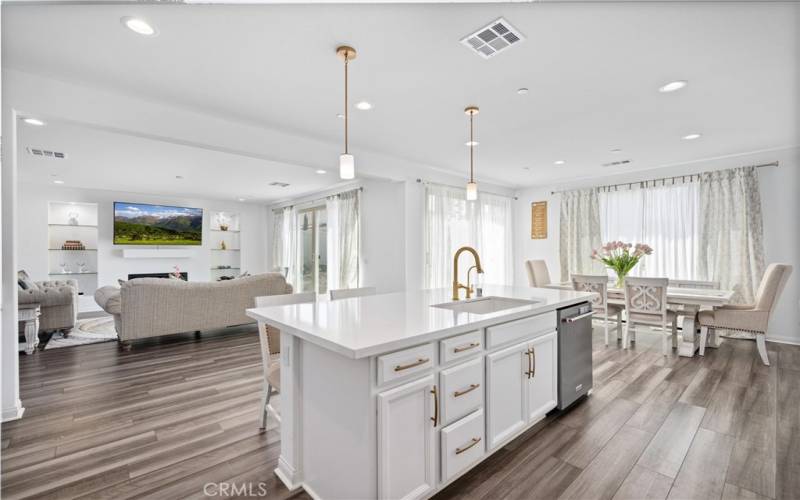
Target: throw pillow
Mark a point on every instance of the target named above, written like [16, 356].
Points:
[25, 281]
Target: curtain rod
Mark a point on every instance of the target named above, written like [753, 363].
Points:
[664, 179]
[317, 200]
[423, 181]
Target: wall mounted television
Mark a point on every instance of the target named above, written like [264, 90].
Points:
[145, 224]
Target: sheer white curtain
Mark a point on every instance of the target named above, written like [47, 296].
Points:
[344, 239]
[665, 217]
[284, 243]
[452, 222]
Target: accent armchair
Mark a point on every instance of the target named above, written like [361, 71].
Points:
[58, 301]
[752, 318]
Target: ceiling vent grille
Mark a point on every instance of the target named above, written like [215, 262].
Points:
[616, 163]
[493, 38]
[45, 153]
[279, 184]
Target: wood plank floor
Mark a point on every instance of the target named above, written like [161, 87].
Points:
[178, 412]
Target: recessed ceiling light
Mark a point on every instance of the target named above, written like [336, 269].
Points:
[559, 162]
[691, 137]
[526, 168]
[363, 105]
[58, 181]
[179, 177]
[471, 143]
[241, 199]
[320, 171]
[138, 25]
[673, 86]
[33, 121]
[616, 150]
[522, 91]
[340, 116]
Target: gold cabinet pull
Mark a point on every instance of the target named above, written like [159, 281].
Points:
[420, 361]
[531, 363]
[467, 347]
[472, 387]
[435, 416]
[474, 441]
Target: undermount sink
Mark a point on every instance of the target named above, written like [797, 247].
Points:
[485, 305]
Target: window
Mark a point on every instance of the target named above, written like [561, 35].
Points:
[665, 217]
[452, 222]
[313, 231]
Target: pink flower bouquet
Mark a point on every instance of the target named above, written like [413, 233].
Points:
[621, 257]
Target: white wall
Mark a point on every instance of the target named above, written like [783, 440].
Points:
[780, 207]
[32, 242]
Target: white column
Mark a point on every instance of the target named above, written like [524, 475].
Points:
[9, 357]
[290, 462]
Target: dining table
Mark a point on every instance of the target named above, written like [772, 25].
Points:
[687, 302]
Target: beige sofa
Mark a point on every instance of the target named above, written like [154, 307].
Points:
[150, 307]
[58, 300]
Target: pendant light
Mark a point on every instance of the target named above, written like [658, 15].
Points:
[472, 186]
[347, 164]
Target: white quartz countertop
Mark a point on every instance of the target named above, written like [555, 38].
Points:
[365, 326]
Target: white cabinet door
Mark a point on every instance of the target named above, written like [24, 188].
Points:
[542, 389]
[406, 447]
[506, 393]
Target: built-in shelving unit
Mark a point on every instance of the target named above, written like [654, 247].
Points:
[225, 240]
[73, 222]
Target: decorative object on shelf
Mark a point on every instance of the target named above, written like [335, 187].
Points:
[176, 274]
[223, 245]
[223, 267]
[539, 220]
[472, 186]
[73, 245]
[73, 218]
[617, 255]
[347, 164]
[223, 221]
[82, 267]
[65, 269]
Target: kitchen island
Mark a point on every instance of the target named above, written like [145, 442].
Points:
[396, 395]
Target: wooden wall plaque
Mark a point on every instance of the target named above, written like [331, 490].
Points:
[539, 220]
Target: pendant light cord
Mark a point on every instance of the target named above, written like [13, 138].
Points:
[346, 60]
[471, 148]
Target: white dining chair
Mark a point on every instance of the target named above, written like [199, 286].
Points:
[646, 303]
[599, 285]
[750, 318]
[538, 275]
[346, 293]
[270, 340]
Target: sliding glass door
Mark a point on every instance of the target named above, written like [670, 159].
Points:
[313, 237]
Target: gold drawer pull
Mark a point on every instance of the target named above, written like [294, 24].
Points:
[472, 387]
[475, 441]
[467, 347]
[420, 361]
[435, 416]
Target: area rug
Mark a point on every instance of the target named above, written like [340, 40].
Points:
[86, 331]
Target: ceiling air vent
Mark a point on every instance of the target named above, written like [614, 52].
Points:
[616, 163]
[45, 153]
[493, 38]
[279, 184]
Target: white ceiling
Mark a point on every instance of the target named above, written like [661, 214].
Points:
[593, 71]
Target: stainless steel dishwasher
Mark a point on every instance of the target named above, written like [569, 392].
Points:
[574, 353]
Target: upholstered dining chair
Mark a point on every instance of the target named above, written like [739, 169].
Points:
[646, 303]
[599, 285]
[270, 340]
[751, 318]
[538, 275]
[346, 293]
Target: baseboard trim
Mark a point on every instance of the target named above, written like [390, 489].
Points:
[783, 340]
[13, 413]
[287, 475]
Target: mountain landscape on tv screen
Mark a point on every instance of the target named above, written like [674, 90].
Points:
[139, 224]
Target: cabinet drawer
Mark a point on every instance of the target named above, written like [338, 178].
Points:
[462, 445]
[515, 330]
[461, 346]
[462, 389]
[401, 364]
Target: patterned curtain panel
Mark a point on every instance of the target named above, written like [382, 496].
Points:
[580, 232]
[731, 248]
[349, 237]
[284, 243]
